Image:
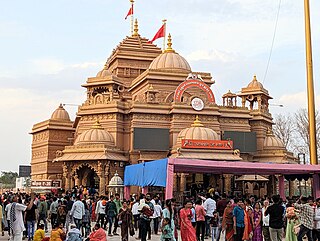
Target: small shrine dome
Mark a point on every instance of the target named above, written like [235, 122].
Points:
[197, 131]
[116, 180]
[103, 73]
[60, 114]
[272, 142]
[170, 60]
[255, 84]
[95, 135]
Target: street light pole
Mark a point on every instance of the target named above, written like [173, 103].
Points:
[310, 87]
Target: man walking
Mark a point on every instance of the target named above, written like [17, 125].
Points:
[209, 206]
[306, 218]
[54, 211]
[42, 210]
[101, 211]
[77, 212]
[275, 212]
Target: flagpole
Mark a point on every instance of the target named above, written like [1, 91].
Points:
[164, 21]
[132, 2]
[310, 87]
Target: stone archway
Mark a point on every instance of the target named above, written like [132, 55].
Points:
[86, 175]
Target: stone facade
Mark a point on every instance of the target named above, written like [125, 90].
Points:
[136, 88]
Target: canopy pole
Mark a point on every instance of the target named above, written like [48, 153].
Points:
[281, 187]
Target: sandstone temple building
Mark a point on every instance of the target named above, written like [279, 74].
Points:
[143, 105]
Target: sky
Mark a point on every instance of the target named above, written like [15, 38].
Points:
[49, 48]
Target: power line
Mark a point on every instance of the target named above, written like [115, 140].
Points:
[274, 36]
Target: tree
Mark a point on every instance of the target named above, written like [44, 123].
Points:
[284, 130]
[8, 178]
[302, 130]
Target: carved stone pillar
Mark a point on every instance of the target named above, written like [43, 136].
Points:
[243, 101]
[77, 180]
[183, 182]
[102, 177]
[66, 175]
[291, 188]
[227, 183]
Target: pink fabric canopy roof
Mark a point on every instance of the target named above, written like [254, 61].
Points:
[239, 168]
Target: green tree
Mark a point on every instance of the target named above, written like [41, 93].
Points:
[8, 178]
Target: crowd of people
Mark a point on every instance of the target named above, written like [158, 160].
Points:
[81, 215]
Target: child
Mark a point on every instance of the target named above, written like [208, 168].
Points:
[167, 231]
[214, 223]
[39, 234]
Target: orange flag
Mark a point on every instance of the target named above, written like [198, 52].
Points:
[130, 12]
[159, 34]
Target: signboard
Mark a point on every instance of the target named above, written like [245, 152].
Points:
[193, 83]
[207, 144]
[24, 171]
[45, 184]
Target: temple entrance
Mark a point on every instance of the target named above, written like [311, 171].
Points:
[88, 177]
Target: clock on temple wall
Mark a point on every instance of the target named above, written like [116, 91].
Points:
[197, 104]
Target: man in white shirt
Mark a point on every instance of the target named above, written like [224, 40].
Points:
[209, 206]
[136, 214]
[101, 211]
[15, 212]
[77, 212]
[157, 213]
[265, 222]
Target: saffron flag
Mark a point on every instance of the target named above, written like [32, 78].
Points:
[159, 34]
[130, 12]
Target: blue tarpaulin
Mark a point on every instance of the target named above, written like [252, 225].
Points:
[147, 174]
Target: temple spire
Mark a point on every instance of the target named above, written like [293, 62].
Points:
[136, 29]
[169, 45]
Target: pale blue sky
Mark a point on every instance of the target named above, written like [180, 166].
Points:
[49, 48]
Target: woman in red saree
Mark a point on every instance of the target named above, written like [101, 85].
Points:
[227, 221]
[188, 233]
[248, 229]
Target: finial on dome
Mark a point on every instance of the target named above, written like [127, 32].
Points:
[136, 29]
[97, 125]
[197, 122]
[61, 105]
[169, 45]
[269, 131]
[255, 78]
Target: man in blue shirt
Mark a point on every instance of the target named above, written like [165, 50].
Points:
[238, 220]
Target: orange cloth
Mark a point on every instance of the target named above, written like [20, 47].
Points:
[98, 235]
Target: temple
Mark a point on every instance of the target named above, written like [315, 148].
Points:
[147, 104]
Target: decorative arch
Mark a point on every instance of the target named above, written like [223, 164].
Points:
[76, 167]
[193, 83]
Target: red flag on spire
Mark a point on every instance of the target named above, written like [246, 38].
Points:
[159, 34]
[130, 12]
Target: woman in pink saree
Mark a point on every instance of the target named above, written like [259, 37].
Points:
[188, 233]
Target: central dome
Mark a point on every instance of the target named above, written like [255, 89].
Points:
[170, 60]
[96, 135]
[197, 132]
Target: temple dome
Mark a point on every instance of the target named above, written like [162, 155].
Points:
[170, 60]
[116, 180]
[272, 142]
[197, 132]
[60, 114]
[95, 135]
[103, 73]
[255, 84]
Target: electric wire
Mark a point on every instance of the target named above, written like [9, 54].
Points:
[272, 44]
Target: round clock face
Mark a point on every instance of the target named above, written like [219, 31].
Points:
[197, 104]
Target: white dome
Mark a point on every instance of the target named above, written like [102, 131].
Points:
[116, 180]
